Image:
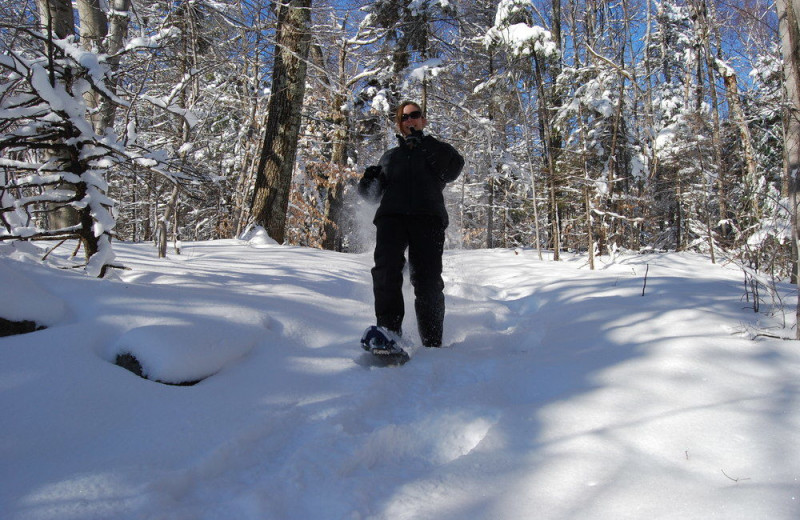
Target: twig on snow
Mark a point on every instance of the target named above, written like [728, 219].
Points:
[733, 479]
[645, 278]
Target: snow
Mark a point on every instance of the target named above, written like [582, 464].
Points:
[257, 237]
[431, 67]
[179, 351]
[40, 80]
[152, 41]
[380, 101]
[31, 300]
[103, 257]
[666, 136]
[521, 39]
[188, 116]
[562, 393]
[507, 8]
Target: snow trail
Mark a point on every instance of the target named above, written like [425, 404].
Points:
[562, 393]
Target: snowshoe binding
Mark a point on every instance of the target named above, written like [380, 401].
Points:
[379, 342]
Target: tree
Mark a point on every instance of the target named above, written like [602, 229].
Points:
[61, 166]
[53, 89]
[274, 175]
[331, 143]
[789, 16]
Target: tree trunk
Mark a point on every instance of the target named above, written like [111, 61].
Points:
[703, 23]
[587, 182]
[56, 16]
[788, 15]
[526, 128]
[274, 175]
[490, 216]
[57, 21]
[117, 31]
[341, 140]
[547, 137]
[589, 233]
[94, 25]
[747, 140]
[93, 31]
[170, 212]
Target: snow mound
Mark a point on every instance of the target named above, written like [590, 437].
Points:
[258, 237]
[177, 353]
[32, 302]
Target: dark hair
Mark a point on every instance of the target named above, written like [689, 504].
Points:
[398, 115]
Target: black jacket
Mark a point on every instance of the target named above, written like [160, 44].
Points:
[411, 179]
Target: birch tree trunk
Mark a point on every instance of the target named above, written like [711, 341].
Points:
[58, 22]
[93, 31]
[163, 222]
[94, 25]
[56, 16]
[274, 175]
[117, 31]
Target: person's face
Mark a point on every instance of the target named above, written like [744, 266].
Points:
[412, 118]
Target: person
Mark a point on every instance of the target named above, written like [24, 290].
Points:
[408, 181]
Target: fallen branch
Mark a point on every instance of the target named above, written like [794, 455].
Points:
[54, 248]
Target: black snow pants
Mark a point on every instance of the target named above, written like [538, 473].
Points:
[423, 236]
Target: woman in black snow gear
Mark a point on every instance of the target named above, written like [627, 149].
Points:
[408, 181]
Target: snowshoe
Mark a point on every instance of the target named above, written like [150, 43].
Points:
[379, 342]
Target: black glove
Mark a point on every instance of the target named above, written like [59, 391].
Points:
[369, 182]
[372, 172]
[414, 139]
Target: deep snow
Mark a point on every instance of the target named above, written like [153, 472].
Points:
[563, 393]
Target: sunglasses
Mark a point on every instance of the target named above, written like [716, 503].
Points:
[416, 114]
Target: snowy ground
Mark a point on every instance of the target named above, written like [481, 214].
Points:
[563, 393]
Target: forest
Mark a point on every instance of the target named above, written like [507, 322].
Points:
[587, 125]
